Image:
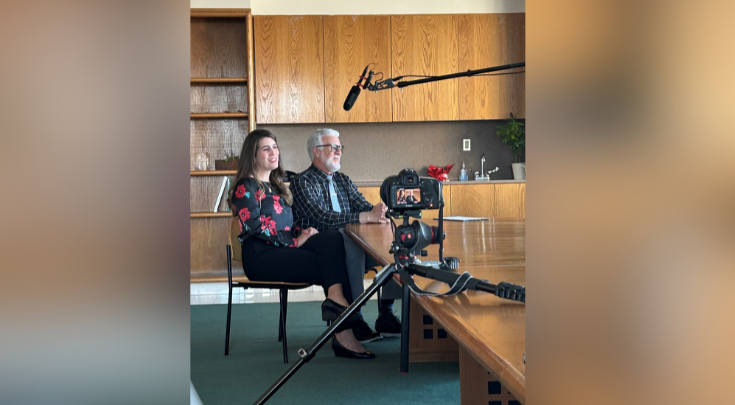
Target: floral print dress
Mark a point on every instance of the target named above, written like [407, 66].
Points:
[262, 214]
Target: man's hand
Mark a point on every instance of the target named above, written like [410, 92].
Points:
[375, 216]
[306, 234]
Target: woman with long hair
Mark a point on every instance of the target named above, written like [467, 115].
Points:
[273, 250]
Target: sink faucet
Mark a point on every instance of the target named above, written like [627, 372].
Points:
[482, 175]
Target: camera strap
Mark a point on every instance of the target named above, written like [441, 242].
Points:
[464, 282]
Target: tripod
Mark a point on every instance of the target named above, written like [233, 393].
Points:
[405, 270]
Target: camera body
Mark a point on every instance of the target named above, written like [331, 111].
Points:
[407, 191]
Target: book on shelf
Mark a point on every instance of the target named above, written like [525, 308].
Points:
[225, 180]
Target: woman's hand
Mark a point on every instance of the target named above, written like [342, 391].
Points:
[306, 234]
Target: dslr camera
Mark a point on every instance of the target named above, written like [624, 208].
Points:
[407, 192]
[406, 195]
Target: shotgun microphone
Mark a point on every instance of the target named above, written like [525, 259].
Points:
[352, 97]
[354, 91]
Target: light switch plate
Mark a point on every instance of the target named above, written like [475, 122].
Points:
[465, 144]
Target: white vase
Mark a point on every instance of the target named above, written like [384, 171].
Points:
[519, 171]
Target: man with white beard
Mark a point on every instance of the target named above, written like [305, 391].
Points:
[326, 199]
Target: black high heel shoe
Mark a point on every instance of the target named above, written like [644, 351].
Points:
[341, 351]
[332, 310]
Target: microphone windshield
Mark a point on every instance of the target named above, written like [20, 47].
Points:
[351, 98]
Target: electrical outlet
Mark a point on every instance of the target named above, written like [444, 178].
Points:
[465, 144]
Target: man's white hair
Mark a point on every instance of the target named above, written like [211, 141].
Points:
[316, 139]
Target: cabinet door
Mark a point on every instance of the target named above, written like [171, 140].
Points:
[488, 40]
[289, 75]
[473, 200]
[510, 200]
[425, 45]
[350, 44]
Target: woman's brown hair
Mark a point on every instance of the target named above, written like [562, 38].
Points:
[248, 168]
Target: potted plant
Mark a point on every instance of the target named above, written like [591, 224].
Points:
[228, 163]
[514, 136]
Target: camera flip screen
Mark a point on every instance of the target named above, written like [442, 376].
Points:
[408, 196]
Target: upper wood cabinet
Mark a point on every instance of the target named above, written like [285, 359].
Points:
[487, 40]
[289, 75]
[425, 45]
[350, 44]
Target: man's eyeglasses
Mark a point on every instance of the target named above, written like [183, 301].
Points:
[334, 147]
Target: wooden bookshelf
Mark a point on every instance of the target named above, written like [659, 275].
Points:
[221, 79]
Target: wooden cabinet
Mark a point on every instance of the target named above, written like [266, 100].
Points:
[305, 66]
[425, 45]
[350, 44]
[500, 200]
[289, 69]
[221, 98]
[487, 40]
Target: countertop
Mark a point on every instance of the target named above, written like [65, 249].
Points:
[378, 183]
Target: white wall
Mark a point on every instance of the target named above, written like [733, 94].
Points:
[220, 3]
[351, 7]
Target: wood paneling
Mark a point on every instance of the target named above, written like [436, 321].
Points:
[510, 200]
[488, 40]
[473, 200]
[350, 44]
[289, 74]
[479, 386]
[371, 194]
[208, 238]
[428, 340]
[218, 98]
[217, 137]
[218, 47]
[425, 45]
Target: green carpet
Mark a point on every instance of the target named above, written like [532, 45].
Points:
[256, 361]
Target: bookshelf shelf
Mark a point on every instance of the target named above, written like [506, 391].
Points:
[211, 214]
[219, 115]
[216, 80]
[213, 172]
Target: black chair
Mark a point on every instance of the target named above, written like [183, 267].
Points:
[237, 278]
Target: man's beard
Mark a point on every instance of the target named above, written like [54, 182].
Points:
[331, 165]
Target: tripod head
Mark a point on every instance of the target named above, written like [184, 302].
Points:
[409, 240]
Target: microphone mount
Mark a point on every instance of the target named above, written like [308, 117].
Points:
[397, 81]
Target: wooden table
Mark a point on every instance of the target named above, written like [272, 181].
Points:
[490, 331]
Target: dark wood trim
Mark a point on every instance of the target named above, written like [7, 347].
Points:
[219, 115]
[220, 12]
[219, 79]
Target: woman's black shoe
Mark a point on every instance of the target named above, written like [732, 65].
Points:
[341, 351]
[332, 310]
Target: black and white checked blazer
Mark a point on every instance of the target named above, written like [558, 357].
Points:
[312, 206]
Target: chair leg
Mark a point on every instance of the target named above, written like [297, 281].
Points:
[280, 317]
[284, 306]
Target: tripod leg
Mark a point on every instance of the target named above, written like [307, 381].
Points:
[405, 320]
[307, 354]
